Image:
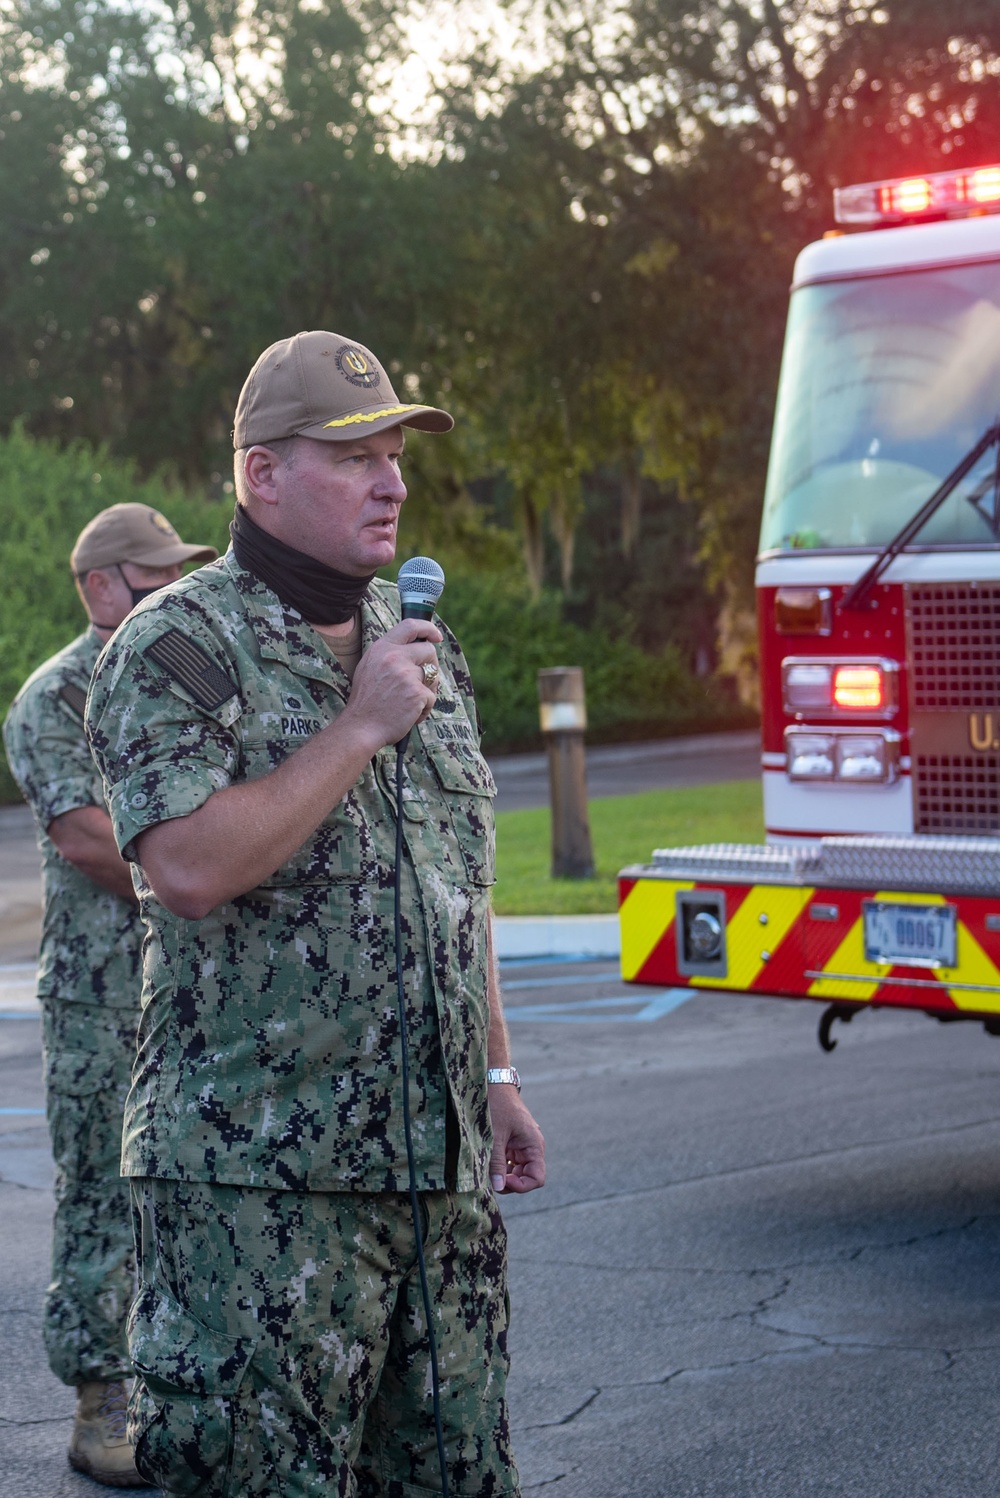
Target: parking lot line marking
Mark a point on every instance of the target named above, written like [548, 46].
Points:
[653, 1006]
[568, 981]
[22, 1112]
[553, 958]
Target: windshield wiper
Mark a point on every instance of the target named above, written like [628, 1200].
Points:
[857, 595]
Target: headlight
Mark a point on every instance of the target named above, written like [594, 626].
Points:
[810, 756]
[862, 758]
[839, 755]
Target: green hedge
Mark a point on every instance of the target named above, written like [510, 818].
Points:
[508, 638]
[50, 492]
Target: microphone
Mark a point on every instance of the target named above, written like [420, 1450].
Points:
[420, 582]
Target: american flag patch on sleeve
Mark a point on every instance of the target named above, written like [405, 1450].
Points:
[192, 668]
[75, 698]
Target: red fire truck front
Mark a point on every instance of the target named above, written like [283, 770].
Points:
[878, 590]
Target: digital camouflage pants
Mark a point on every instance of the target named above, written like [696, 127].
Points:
[279, 1342]
[89, 1051]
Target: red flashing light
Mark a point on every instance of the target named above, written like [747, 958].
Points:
[859, 688]
[902, 199]
[984, 186]
[906, 198]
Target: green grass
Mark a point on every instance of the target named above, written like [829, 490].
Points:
[623, 829]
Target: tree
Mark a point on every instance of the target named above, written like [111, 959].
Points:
[704, 139]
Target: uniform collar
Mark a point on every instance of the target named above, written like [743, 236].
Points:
[283, 635]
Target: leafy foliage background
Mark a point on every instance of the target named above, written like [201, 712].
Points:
[581, 247]
[50, 492]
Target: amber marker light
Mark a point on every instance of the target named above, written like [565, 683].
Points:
[802, 611]
[859, 688]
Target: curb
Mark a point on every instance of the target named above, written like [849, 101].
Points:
[509, 766]
[522, 937]
[519, 938]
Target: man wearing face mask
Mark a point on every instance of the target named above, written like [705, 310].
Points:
[89, 982]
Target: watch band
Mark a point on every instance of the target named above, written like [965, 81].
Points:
[504, 1074]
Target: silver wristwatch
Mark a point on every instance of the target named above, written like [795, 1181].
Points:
[504, 1074]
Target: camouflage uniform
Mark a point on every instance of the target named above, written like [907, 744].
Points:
[264, 1128]
[88, 984]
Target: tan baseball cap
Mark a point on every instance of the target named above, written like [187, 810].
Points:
[323, 385]
[132, 533]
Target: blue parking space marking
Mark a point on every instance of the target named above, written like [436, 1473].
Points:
[601, 1011]
[22, 1112]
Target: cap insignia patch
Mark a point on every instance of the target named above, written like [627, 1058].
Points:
[356, 367]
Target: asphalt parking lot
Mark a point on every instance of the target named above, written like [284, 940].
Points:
[756, 1269]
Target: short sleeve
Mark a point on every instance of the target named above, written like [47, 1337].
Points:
[48, 751]
[160, 716]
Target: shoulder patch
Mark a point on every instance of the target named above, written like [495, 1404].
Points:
[75, 699]
[193, 668]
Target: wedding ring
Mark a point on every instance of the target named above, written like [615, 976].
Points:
[429, 672]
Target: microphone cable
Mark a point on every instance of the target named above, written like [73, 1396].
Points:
[407, 1124]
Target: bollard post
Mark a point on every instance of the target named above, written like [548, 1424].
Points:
[563, 715]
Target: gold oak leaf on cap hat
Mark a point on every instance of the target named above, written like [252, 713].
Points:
[323, 385]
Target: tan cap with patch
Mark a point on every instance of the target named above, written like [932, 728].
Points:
[323, 385]
[132, 533]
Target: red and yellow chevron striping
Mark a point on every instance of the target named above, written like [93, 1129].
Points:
[806, 942]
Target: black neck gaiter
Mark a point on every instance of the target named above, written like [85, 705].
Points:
[321, 594]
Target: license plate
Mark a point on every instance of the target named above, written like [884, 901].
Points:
[915, 935]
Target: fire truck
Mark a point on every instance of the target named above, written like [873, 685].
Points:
[878, 595]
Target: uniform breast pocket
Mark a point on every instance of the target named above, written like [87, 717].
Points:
[468, 789]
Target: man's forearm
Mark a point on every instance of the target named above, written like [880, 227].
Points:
[243, 833]
[498, 1042]
[517, 1159]
[86, 839]
[246, 831]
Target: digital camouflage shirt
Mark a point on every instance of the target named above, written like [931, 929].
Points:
[90, 938]
[269, 1042]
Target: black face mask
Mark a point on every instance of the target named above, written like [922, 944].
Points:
[321, 594]
[138, 594]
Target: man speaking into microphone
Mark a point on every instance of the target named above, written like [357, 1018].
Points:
[245, 722]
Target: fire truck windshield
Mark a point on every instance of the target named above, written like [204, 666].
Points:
[886, 382]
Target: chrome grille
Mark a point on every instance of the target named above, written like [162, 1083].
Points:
[956, 793]
[954, 658]
[954, 646]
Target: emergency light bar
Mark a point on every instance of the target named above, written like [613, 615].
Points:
[905, 199]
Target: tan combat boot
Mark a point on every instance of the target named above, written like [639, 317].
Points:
[99, 1446]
